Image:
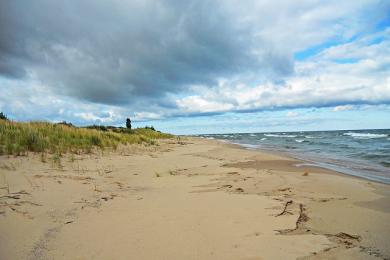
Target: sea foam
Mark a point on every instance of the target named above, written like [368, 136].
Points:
[275, 135]
[365, 135]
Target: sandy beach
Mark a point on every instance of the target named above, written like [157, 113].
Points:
[187, 199]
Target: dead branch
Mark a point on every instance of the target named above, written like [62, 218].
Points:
[302, 216]
[21, 192]
[285, 208]
[226, 186]
[348, 236]
[15, 197]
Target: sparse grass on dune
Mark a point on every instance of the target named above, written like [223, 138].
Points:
[18, 138]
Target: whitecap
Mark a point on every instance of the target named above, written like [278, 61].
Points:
[275, 135]
[365, 135]
[311, 137]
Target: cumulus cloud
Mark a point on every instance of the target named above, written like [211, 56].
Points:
[99, 61]
[342, 108]
[319, 81]
[115, 52]
[142, 116]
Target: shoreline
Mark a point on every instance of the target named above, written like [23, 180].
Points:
[331, 167]
[188, 199]
[305, 163]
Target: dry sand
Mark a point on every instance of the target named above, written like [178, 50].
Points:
[193, 199]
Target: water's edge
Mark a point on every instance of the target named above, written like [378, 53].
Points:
[308, 162]
[358, 153]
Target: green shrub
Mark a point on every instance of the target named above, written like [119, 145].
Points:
[3, 116]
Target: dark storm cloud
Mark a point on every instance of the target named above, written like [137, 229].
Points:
[114, 52]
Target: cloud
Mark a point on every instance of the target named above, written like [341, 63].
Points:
[342, 108]
[99, 62]
[196, 104]
[142, 116]
[119, 51]
[292, 114]
[317, 82]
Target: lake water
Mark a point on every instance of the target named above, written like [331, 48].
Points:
[363, 153]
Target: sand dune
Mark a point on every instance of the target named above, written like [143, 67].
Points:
[197, 199]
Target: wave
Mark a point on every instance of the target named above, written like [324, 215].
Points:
[312, 137]
[275, 135]
[375, 156]
[386, 164]
[365, 135]
[365, 153]
[248, 146]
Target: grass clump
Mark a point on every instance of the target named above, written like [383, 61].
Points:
[56, 160]
[17, 138]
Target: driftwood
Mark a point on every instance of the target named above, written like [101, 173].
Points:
[15, 197]
[285, 208]
[226, 186]
[21, 192]
[302, 216]
[348, 236]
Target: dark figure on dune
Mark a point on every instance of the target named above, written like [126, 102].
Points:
[128, 123]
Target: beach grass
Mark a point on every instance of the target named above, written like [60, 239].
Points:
[18, 138]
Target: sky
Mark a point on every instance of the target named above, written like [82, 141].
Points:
[193, 67]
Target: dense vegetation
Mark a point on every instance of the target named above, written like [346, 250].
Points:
[3, 116]
[17, 138]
